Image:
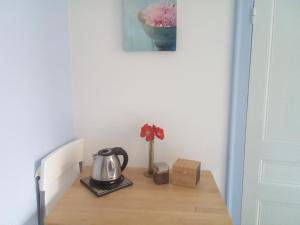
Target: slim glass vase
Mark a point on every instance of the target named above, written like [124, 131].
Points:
[151, 158]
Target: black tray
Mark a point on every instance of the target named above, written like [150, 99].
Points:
[98, 191]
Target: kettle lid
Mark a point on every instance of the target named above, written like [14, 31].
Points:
[106, 152]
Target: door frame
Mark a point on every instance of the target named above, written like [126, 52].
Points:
[238, 107]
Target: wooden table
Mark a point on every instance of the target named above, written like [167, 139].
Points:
[144, 203]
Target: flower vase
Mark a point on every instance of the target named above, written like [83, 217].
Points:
[151, 158]
[150, 132]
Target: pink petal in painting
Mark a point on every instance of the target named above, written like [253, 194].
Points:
[159, 15]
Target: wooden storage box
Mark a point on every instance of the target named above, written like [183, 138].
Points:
[186, 172]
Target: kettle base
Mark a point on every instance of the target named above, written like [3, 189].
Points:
[106, 184]
[100, 191]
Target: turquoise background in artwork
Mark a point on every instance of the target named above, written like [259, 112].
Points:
[134, 36]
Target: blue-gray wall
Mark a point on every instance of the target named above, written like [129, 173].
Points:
[35, 98]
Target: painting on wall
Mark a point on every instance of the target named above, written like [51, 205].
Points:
[149, 25]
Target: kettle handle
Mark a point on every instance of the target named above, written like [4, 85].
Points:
[121, 151]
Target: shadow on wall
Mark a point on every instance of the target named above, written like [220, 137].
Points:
[33, 220]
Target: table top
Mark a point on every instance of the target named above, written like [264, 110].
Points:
[144, 203]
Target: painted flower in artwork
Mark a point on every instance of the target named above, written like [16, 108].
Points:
[159, 15]
[150, 25]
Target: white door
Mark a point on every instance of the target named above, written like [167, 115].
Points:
[271, 194]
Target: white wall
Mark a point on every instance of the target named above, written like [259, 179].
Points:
[185, 92]
[35, 98]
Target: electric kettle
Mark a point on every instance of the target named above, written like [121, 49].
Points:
[107, 169]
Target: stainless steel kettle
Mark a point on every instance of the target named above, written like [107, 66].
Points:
[107, 169]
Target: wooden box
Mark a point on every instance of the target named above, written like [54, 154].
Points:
[186, 172]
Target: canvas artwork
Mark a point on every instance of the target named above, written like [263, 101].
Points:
[149, 25]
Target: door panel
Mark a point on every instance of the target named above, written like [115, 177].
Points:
[282, 115]
[278, 214]
[280, 173]
[271, 193]
[284, 73]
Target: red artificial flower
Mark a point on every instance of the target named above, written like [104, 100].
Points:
[148, 132]
[151, 131]
[159, 132]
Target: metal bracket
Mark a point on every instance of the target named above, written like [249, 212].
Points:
[42, 209]
[40, 201]
[80, 166]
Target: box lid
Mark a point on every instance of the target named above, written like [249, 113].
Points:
[186, 163]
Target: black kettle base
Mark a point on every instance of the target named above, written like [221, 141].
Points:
[106, 184]
[100, 189]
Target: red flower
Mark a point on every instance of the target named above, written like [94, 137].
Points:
[151, 131]
[148, 132]
[159, 132]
